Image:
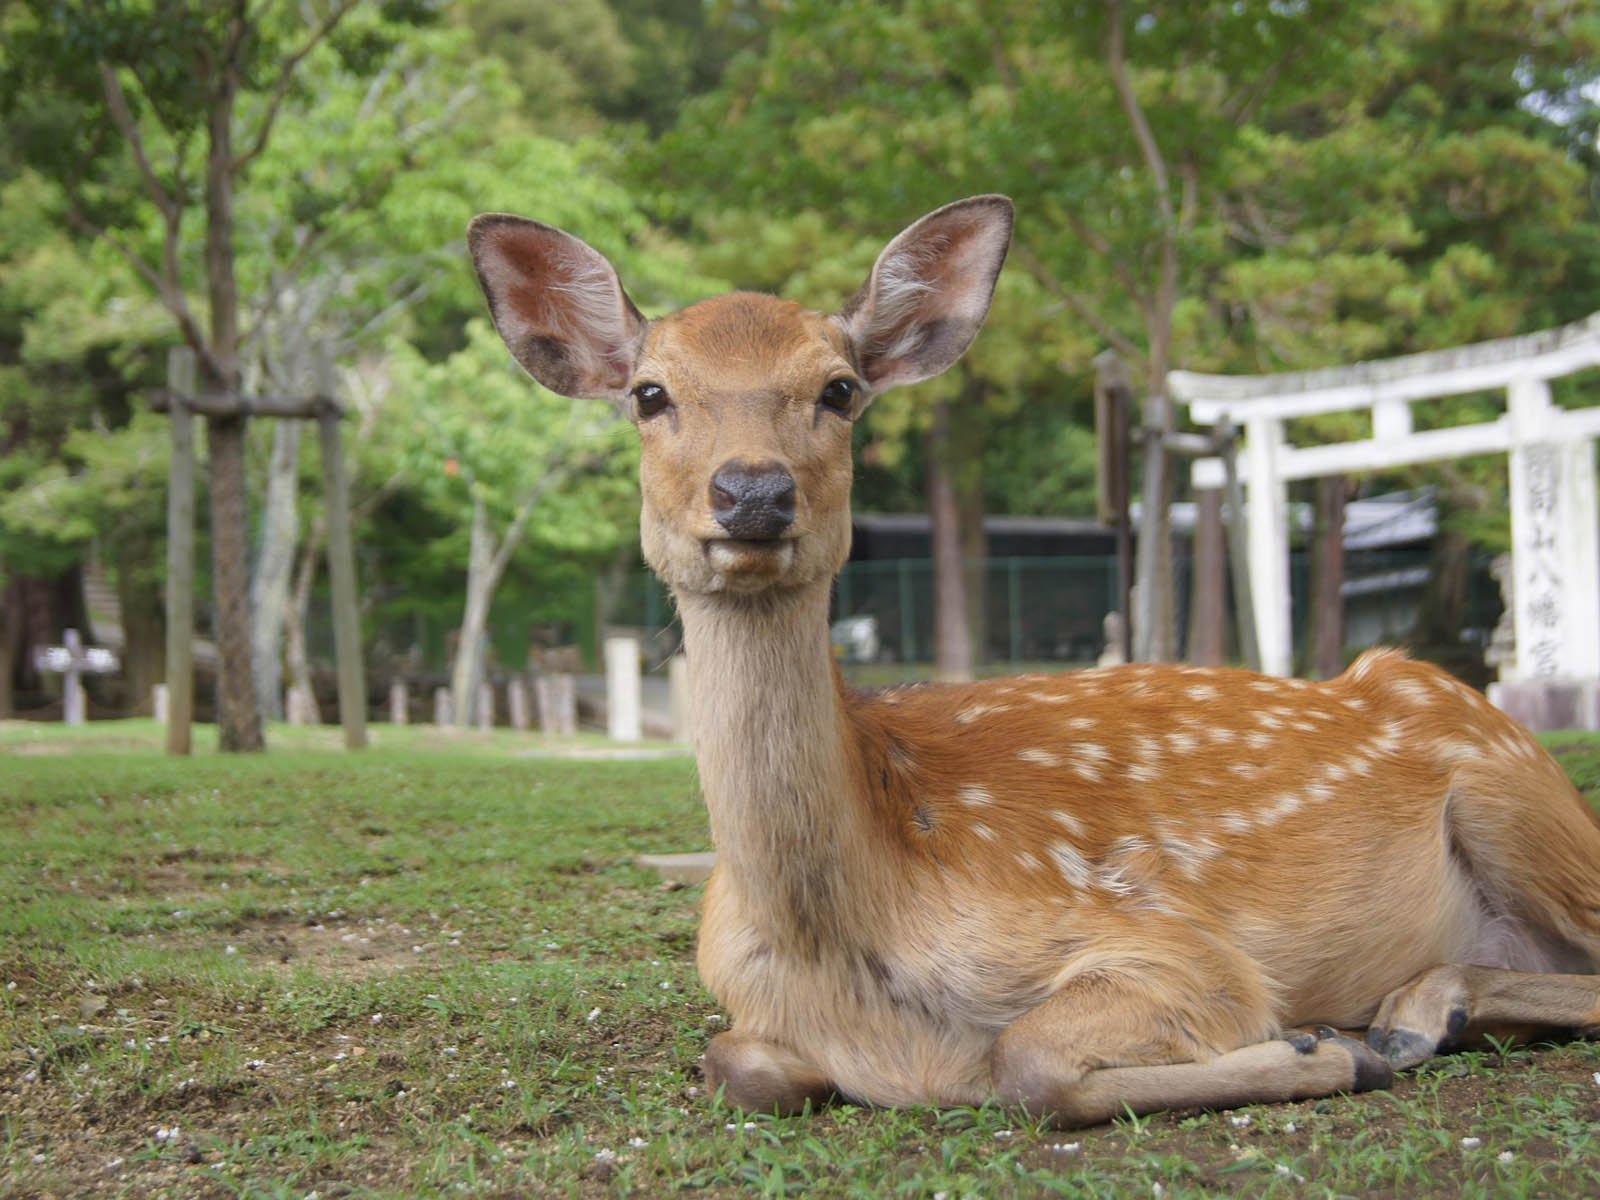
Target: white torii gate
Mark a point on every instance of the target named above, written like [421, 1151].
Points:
[1555, 533]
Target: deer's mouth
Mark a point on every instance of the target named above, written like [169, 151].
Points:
[750, 556]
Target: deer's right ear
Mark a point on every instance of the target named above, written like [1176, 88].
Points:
[558, 305]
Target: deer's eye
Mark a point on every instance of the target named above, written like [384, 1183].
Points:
[839, 396]
[650, 399]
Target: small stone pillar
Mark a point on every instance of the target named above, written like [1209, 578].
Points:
[399, 702]
[623, 688]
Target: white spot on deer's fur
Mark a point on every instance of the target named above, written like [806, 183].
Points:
[975, 795]
[1265, 685]
[1389, 739]
[1190, 855]
[1244, 768]
[1072, 865]
[1041, 758]
[1147, 747]
[1222, 735]
[1087, 760]
[1411, 691]
[1070, 821]
[1235, 822]
[1144, 772]
[1081, 724]
[1354, 703]
[1267, 721]
[1285, 804]
[973, 711]
[1318, 792]
[1116, 874]
[1459, 751]
[1182, 743]
[1202, 692]
[1303, 726]
[1334, 772]
[1048, 697]
[983, 831]
[1259, 740]
[1028, 862]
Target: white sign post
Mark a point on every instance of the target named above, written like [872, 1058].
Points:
[72, 661]
[1555, 529]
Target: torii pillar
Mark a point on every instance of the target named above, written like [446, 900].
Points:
[1554, 681]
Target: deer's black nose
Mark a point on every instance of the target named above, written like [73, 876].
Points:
[753, 501]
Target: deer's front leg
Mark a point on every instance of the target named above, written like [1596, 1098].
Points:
[1185, 1036]
[761, 1076]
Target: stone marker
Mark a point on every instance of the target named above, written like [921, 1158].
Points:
[623, 690]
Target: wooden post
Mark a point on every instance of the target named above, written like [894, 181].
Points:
[341, 560]
[180, 554]
[441, 706]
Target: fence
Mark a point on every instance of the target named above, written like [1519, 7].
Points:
[1052, 610]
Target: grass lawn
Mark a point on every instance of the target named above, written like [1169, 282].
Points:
[431, 969]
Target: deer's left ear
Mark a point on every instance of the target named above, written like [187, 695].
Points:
[929, 292]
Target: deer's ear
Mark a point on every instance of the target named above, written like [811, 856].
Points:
[929, 292]
[558, 305]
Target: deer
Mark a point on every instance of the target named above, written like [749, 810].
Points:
[1118, 890]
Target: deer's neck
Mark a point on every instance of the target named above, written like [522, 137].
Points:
[777, 758]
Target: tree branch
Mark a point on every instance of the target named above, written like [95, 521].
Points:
[280, 86]
[1117, 64]
[1047, 279]
[122, 117]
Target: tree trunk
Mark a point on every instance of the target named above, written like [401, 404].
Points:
[1444, 602]
[1325, 628]
[1154, 621]
[294, 629]
[968, 477]
[280, 531]
[1208, 589]
[952, 636]
[144, 627]
[467, 672]
[238, 719]
[10, 643]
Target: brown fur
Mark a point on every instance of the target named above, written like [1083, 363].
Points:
[1080, 892]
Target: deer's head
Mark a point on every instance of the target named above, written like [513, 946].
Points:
[744, 402]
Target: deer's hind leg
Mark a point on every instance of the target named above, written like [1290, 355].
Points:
[1451, 1005]
[1193, 1031]
[1531, 845]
